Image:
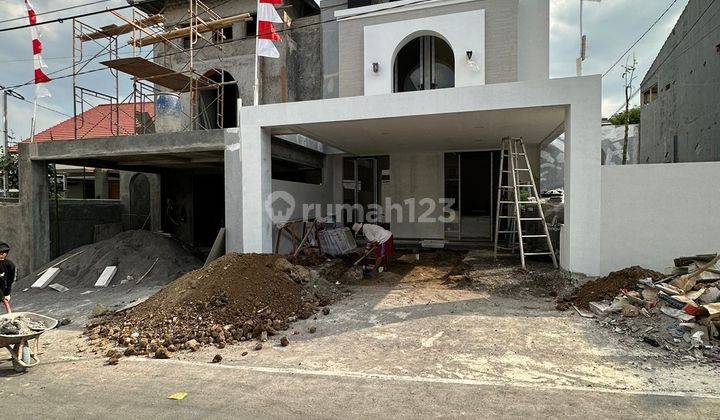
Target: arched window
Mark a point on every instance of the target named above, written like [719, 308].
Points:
[426, 62]
[218, 107]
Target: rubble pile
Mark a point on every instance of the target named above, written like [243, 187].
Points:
[20, 325]
[606, 288]
[679, 312]
[235, 298]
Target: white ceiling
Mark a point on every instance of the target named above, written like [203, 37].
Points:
[438, 132]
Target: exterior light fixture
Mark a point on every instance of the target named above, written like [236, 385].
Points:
[375, 67]
[469, 54]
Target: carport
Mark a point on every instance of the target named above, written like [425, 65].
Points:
[415, 129]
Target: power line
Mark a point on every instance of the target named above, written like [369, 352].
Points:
[669, 54]
[639, 39]
[245, 38]
[62, 19]
[55, 11]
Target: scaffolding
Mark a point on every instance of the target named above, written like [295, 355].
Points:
[149, 77]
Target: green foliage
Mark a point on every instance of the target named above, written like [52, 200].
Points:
[619, 118]
[9, 163]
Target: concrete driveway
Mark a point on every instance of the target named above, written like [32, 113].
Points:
[392, 349]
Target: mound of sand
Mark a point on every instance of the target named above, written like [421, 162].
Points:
[235, 298]
[133, 252]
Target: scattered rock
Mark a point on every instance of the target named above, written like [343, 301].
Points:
[284, 341]
[65, 321]
[258, 346]
[191, 345]
[100, 310]
[162, 353]
[326, 311]
[217, 359]
[130, 350]
[312, 329]
[114, 360]
[244, 353]
[629, 311]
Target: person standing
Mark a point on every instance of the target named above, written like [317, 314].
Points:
[7, 275]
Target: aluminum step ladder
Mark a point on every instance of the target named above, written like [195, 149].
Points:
[517, 195]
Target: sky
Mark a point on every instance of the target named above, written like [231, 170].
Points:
[611, 27]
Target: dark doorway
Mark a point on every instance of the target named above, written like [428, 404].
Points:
[426, 62]
[470, 180]
[209, 208]
[218, 106]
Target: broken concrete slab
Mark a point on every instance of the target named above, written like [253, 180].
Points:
[106, 276]
[46, 278]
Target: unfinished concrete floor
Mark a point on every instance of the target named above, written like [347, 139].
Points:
[399, 346]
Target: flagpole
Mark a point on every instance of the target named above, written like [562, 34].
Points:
[256, 88]
[32, 124]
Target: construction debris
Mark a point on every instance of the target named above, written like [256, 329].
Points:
[606, 288]
[235, 298]
[680, 312]
[20, 325]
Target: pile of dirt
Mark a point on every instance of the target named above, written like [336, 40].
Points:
[607, 287]
[235, 298]
[133, 253]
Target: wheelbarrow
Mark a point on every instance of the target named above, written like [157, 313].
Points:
[21, 354]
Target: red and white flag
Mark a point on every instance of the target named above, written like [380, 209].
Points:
[266, 34]
[40, 76]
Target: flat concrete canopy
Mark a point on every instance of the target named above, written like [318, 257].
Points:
[439, 132]
[141, 153]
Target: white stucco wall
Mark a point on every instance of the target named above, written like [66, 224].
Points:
[533, 39]
[654, 213]
[462, 31]
[416, 176]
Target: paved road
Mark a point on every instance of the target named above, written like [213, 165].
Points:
[139, 387]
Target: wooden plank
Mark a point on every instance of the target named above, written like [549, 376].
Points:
[115, 30]
[183, 32]
[106, 276]
[47, 277]
[144, 69]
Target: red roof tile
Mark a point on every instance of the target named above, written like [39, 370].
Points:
[96, 122]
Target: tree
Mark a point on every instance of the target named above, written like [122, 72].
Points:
[633, 117]
[628, 77]
[9, 164]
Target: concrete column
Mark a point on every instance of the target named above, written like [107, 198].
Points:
[35, 202]
[336, 180]
[248, 181]
[101, 183]
[233, 191]
[580, 238]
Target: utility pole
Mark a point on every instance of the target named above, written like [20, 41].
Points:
[583, 41]
[628, 76]
[6, 178]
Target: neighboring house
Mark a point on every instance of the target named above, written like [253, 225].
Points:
[680, 118]
[97, 122]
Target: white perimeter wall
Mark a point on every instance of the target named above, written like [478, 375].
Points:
[462, 31]
[654, 213]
